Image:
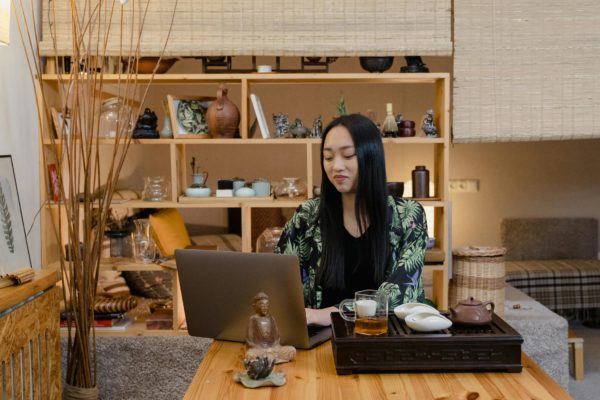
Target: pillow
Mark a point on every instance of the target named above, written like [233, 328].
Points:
[169, 231]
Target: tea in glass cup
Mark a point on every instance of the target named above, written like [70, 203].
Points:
[370, 315]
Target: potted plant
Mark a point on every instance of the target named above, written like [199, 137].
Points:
[83, 211]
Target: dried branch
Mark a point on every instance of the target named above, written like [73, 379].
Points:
[83, 165]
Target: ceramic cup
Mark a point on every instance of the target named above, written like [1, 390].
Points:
[370, 315]
[238, 183]
[261, 187]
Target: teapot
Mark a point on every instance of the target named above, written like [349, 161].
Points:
[472, 312]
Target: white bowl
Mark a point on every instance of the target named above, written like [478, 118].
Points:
[403, 310]
[427, 322]
[245, 192]
[197, 192]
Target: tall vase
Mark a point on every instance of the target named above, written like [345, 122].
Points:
[223, 116]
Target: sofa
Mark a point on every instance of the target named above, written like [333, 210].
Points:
[555, 261]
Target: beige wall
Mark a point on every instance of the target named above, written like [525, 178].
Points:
[526, 179]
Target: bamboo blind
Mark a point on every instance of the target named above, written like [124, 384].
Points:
[526, 70]
[269, 27]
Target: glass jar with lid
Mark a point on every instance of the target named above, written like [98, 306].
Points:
[112, 117]
[290, 188]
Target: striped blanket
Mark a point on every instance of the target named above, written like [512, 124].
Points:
[570, 288]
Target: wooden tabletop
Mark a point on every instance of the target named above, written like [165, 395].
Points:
[12, 295]
[312, 376]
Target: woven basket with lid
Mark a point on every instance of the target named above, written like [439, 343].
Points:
[478, 271]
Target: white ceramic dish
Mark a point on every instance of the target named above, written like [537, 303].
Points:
[403, 310]
[245, 192]
[427, 322]
[197, 192]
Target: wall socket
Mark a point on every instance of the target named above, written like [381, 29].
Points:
[464, 185]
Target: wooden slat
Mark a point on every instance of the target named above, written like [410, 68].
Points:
[29, 370]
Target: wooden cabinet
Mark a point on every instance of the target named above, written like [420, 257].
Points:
[30, 342]
[175, 154]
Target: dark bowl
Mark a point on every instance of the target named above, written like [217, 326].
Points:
[395, 189]
[376, 64]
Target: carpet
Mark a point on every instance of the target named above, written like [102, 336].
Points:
[146, 367]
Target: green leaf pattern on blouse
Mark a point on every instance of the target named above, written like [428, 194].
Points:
[408, 239]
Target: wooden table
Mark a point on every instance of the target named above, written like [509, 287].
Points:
[312, 376]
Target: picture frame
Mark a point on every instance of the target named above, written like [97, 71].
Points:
[188, 116]
[260, 116]
[58, 120]
[14, 251]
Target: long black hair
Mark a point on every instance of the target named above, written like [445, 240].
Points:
[370, 204]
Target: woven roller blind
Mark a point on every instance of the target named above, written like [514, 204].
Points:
[526, 70]
[272, 27]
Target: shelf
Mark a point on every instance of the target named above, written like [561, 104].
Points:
[230, 202]
[407, 140]
[287, 78]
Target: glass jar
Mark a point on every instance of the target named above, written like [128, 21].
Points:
[113, 111]
[156, 188]
[144, 248]
[268, 239]
[120, 243]
[290, 188]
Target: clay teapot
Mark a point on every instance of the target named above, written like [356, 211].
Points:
[472, 312]
[222, 116]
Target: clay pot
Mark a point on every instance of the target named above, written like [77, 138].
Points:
[222, 116]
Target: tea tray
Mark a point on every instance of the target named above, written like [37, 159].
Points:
[493, 347]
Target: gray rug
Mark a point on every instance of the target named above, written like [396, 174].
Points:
[146, 367]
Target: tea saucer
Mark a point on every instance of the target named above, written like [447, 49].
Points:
[427, 322]
[403, 310]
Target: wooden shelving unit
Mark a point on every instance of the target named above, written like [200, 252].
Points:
[178, 160]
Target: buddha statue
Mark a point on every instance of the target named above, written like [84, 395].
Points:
[145, 127]
[262, 337]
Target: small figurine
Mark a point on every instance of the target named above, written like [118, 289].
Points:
[145, 127]
[263, 349]
[398, 118]
[298, 130]
[428, 126]
[281, 125]
[262, 336]
[414, 64]
[317, 130]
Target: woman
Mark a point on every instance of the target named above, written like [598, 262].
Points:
[355, 236]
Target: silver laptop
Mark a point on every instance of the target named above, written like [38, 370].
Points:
[218, 288]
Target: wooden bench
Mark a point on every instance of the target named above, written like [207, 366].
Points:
[576, 355]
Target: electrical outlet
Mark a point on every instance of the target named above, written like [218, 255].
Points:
[464, 185]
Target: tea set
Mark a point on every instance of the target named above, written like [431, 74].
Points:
[424, 318]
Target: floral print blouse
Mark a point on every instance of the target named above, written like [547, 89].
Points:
[408, 240]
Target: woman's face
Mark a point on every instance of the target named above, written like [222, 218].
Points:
[339, 160]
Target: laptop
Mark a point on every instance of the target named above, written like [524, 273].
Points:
[218, 289]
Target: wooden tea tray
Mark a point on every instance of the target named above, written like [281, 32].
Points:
[493, 347]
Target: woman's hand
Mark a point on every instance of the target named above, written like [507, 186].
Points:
[319, 316]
